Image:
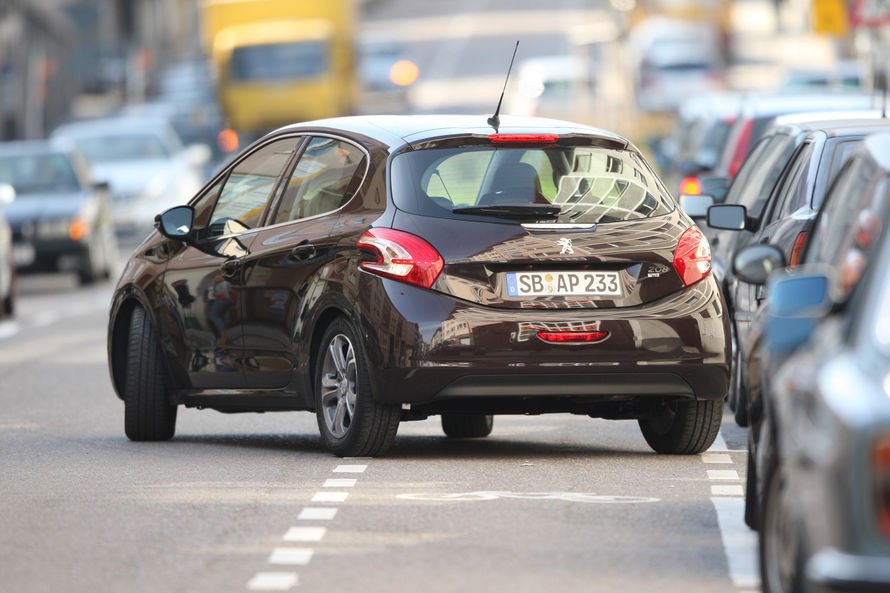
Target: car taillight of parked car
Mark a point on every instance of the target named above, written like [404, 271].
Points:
[690, 186]
[401, 256]
[692, 258]
[740, 150]
[881, 470]
[800, 244]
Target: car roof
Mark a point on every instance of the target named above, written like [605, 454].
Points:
[769, 105]
[397, 130]
[878, 146]
[843, 127]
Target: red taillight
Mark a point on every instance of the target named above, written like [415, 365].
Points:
[523, 138]
[690, 186]
[692, 259]
[401, 256]
[797, 251]
[740, 152]
[573, 337]
[881, 468]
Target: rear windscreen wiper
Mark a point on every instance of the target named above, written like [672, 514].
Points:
[514, 211]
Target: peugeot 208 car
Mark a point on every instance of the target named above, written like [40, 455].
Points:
[387, 268]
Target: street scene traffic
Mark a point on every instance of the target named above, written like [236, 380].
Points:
[376, 295]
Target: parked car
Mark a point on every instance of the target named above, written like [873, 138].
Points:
[824, 457]
[700, 130]
[843, 239]
[144, 163]
[60, 219]
[784, 218]
[673, 59]
[7, 257]
[384, 268]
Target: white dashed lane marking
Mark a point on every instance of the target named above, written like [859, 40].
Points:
[299, 556]
[273, 581]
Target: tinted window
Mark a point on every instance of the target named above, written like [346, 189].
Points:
[795, 189]
[249, 188]
[592, 185]
[850, 224]
[758, 176]
[327, 174]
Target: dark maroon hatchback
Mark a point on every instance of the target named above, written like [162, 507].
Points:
[389, 268]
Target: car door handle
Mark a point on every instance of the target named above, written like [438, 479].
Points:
[303, 251]
[231, 267]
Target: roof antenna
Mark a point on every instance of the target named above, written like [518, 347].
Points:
[495, 120]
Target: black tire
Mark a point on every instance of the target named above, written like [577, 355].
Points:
[148, 414]
[752, 506]
[467, 426]
[780, 544]
[741, 396]
[351, 421]
[88, 274]
[683, 427]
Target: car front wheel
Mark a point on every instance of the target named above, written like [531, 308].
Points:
[350, 420]
[683, 427]
[148, 414]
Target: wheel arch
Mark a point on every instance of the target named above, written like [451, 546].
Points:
[118, 332]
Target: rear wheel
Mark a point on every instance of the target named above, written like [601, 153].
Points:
[350, 420]
[467, 426]
[148, 414]
[683, 427]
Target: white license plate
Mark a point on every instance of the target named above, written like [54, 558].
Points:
[533, 284]
[23, 254]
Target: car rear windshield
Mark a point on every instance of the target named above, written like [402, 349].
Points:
[588, 184]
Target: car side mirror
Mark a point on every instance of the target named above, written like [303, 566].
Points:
[754, 263]
[696, 206]
[730, 217]
[176, 223]
[795, 304]
[7, 194]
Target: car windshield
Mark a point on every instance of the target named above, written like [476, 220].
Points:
[122, 147]
[588, 184]
[278, 61]
[38, 173]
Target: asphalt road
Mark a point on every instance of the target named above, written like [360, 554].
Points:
[252, 502]
[548, 502]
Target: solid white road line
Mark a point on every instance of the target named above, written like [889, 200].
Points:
[739, 542]
[716, 458]
[723, 474]
[350, 469]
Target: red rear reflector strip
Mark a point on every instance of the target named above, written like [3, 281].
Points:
[799, 245]
[881, 468]
[573, 337]
[523, 138]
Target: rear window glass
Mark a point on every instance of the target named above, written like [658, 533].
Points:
[590, 184]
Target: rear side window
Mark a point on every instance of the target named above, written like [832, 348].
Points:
[590, 184]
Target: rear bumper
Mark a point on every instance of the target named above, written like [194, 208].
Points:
[430, 348]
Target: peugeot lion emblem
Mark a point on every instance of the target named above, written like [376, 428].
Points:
[566, 245]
